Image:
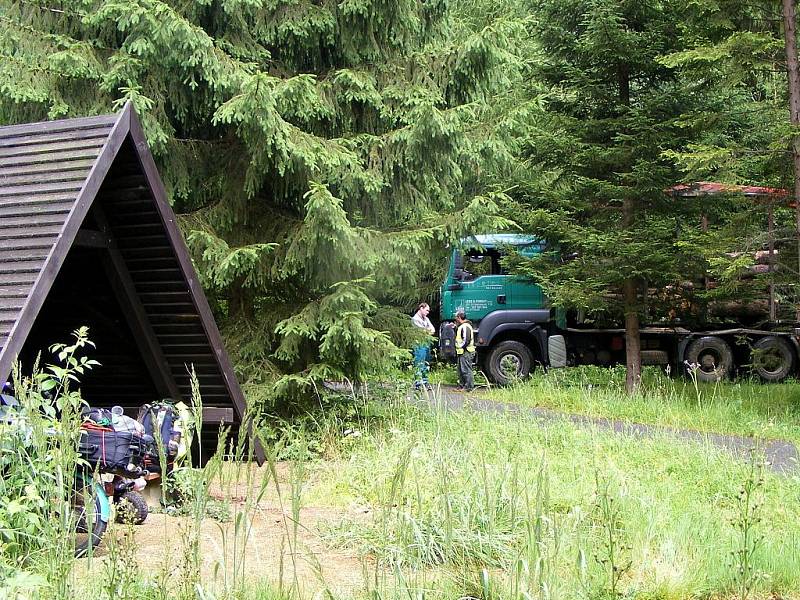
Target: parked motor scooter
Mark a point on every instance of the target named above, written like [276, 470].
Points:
[88, 503]
[129, 504]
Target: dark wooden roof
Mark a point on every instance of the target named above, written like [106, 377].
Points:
[87, 237]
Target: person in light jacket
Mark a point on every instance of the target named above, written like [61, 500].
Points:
[422, 351]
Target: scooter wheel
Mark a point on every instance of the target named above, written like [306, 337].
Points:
[87, 511]
[131, 508]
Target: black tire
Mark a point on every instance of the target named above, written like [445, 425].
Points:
[86, 511]
[772, 358]
[654, 357]
[713, 357]
[508, 362]
[131, 508]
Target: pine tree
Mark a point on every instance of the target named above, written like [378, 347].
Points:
[598, 164]
[738, 51]
[319, 151]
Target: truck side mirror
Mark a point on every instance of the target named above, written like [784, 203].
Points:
[454, 286]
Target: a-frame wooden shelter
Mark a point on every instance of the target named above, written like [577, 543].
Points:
[87, 237]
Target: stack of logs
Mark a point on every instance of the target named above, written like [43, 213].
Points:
[681, 304]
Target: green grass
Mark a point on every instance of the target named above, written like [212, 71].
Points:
[440, 372]
[743, 407]
[491, 506]
[502, 502]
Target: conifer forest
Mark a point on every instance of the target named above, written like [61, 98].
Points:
[328, 162]
[322, 155]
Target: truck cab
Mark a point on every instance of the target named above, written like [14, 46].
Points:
[510, 313]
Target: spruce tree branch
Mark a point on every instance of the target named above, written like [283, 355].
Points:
[201, 141]
[765, 10]
[27, 64]
[29, 29]
[56, 39]
[60, 11]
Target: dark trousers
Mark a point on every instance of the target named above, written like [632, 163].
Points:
[465, 377]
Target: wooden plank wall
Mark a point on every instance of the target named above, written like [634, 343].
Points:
[158, 280]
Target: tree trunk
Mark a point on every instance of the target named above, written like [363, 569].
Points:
[790, 42]
[624, 82]
[630, 306]
[239, 302]
[630, 294]
[633, 356]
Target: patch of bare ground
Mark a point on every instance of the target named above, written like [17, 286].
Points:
[270, 551]
[268, 544]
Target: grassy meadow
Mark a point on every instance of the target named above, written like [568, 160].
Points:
[744, 407]
[372, 497]
[469, 504]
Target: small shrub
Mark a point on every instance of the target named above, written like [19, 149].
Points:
[612, 549]
[38, 462]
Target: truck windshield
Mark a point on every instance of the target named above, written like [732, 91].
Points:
[477, 264]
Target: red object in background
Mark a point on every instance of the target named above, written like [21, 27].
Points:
[710, 188]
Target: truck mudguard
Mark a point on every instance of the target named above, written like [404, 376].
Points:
[510, 320]
[680, 359]
[538, 334]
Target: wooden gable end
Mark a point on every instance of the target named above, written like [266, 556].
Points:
[87, 237]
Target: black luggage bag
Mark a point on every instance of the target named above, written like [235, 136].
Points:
[160, 420]
[447, 341]
[117, 452]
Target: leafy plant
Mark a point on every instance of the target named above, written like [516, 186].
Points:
[613, 549]
[122, 571]
[747, 519]
[38, 460]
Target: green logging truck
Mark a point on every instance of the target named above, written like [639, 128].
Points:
[517, 329]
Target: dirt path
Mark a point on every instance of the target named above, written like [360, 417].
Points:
[782, 455]
[270, 550]
[257, 541]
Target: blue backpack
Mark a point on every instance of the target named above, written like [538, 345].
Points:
[162, 420]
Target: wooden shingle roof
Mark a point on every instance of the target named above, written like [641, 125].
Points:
[87, 236]
[43, 167]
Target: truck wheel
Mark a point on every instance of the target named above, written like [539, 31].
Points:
[508, 362]
[713, 358]
[772, 358]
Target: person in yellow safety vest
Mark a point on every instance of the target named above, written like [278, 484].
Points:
[465, 349]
